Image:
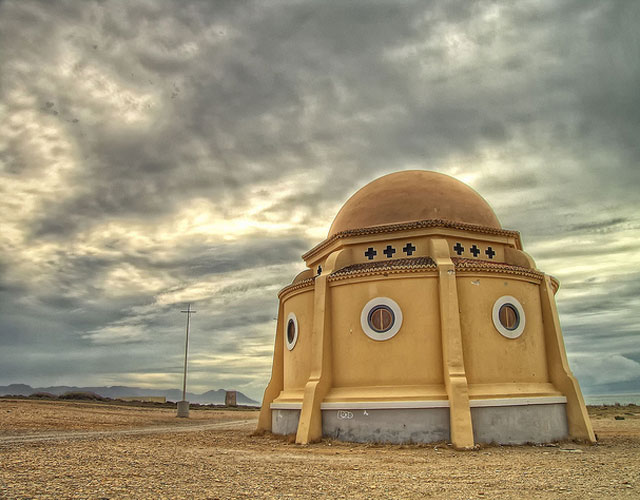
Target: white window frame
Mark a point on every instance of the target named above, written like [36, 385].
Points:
[515, 303]
[292, 344]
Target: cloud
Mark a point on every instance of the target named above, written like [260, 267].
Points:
[606, 225]
[159, 152]
[599, 370]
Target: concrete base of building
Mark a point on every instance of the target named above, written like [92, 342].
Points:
[520, 424]
[183, 409]
[515, 424]
[285, 421]
[406, 425]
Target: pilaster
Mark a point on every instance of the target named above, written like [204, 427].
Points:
[559, 371]
[319, 383]
[455, 377]
[275, 386]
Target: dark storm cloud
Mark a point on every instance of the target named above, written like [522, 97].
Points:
[514, 180]
[243, 97]
[247, 254]
[611, 249]
[613, 295]
[195, 258]
[126, 114]
[599, 226]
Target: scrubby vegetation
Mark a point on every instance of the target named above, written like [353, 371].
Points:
[83, 396]
[43, 395]
[89, 397]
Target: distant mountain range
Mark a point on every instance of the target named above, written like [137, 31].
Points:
[120, 391]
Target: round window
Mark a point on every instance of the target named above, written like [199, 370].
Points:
[508, 317]
[291, 331]
[381, 318]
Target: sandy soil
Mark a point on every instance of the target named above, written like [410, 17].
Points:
[29, 416]
[230, 463]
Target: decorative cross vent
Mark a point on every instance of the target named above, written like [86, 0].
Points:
[409, 249]
[389, 251]
[474, 250]
[370, 253]
[458, 248]
[490, 252]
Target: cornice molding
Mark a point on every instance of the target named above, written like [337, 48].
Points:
[417, 265]
[296, 286]
[464, 265]
[409, 264]
[421, 224]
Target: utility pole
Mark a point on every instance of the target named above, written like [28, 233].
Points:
[183, 406]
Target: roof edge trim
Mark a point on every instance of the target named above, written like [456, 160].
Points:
[296, 286]
[426, 223]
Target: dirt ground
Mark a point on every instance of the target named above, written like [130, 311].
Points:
[29, 416]
[230, 463]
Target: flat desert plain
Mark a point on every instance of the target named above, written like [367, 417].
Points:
[89, 450]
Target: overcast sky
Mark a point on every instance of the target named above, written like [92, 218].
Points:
[156, 153]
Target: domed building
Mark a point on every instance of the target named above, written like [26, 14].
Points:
[420, 319]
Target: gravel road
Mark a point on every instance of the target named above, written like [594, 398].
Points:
[73, 435]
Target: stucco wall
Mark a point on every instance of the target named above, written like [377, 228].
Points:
[412, 357]
[490, 357]
[297, 362]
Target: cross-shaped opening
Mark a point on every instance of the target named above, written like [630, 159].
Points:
[319, 270]
[409, 249]
[474, 250]
[370, 253]
[490, 252]
[389, 251]
[458, 248]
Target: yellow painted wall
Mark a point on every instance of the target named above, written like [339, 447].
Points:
[297, 362]
[412, 357]
[420, 239]
[490, 357]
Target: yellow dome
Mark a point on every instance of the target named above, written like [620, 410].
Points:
[413, 195]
